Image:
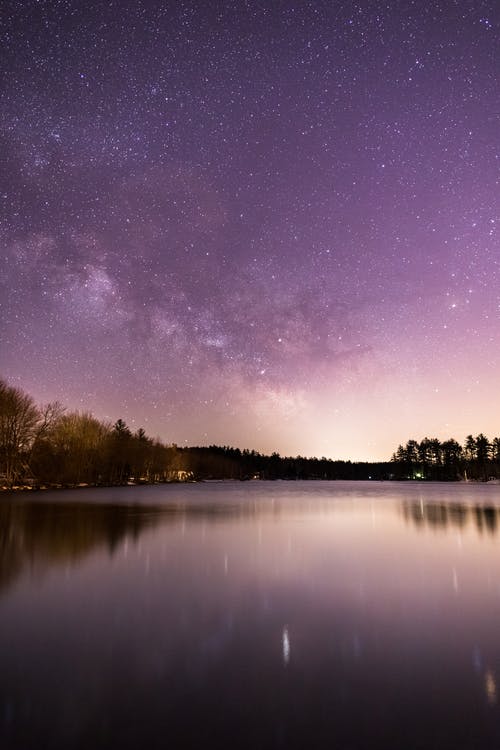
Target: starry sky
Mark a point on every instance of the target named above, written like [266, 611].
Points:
[273, 225]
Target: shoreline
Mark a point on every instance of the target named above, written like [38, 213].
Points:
[24, 489]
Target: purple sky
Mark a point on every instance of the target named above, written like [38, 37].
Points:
[272, 225]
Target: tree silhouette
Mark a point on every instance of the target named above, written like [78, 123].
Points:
[470, 448]
[22, 424]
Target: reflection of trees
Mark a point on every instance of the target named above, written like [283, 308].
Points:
[11, 558]
[40, 534]
[487, 518]
[37, 534]
[443, 515]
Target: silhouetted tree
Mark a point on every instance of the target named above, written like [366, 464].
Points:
[19, 418]
[483, 452]
[495, 449]
[470, 448]
[22, 424]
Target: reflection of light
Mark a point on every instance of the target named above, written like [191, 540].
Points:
[226, 560]
[476, 659]
[286, 646]
[455, 580]
[490, 686]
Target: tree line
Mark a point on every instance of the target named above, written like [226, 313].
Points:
[478, 458]
[50, 446]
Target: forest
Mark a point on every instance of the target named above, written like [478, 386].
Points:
[478, 459]
[49, 446]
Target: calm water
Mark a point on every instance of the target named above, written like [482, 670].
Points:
[251, 615]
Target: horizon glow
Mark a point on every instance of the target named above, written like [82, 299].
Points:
[272, 227]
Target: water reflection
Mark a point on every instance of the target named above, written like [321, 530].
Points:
[39, 534]
[458, 515]
[286, 646]
[281, 616]
[36, 534]
[490, 686]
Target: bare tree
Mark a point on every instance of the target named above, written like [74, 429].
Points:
[19, 422]
[79, 441]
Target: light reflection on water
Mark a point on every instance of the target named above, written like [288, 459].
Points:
[249, 615]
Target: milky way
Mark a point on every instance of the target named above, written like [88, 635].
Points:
[272, 225]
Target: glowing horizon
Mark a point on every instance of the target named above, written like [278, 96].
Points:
[268, 227]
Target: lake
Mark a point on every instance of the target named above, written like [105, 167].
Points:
[251, 615]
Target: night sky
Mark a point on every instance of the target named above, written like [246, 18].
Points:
[267, 224]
